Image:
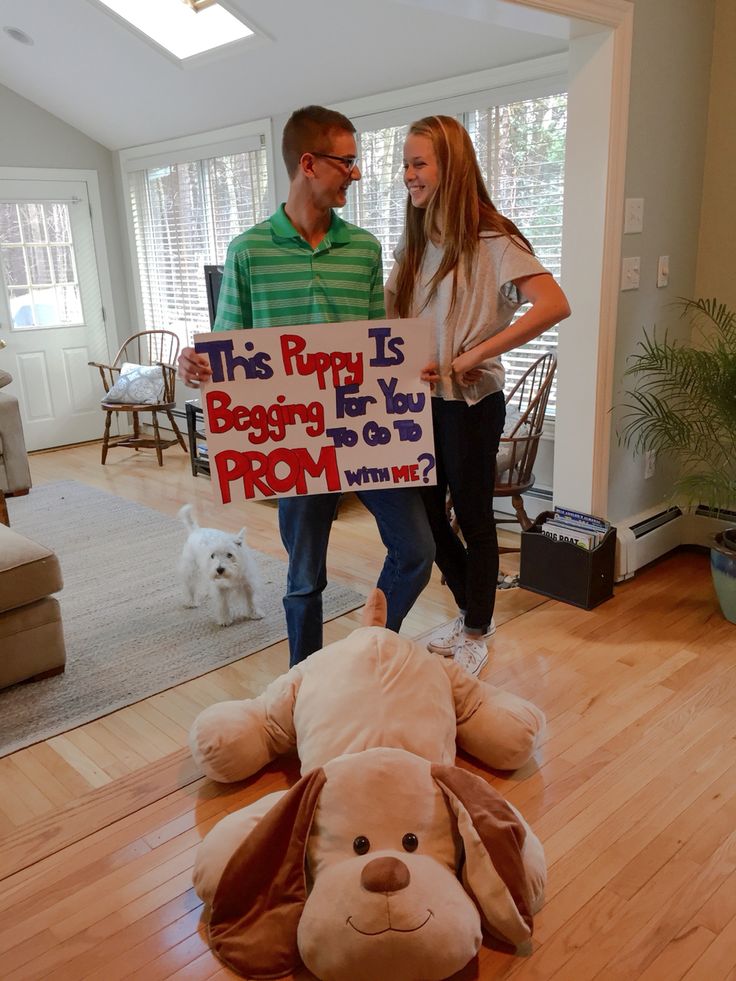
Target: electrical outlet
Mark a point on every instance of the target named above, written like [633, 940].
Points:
[650, 462]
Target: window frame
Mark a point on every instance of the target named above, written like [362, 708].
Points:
[202, 146]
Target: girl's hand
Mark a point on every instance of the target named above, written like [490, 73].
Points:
[429, 373]
[465, 371]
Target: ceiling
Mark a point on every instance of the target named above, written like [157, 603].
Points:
[94, 73]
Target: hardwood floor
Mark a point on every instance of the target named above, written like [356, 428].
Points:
[633, 793]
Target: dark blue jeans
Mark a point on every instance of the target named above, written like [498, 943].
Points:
[466, 441]
[305, 524]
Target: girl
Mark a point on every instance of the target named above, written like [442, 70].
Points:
[468, 268]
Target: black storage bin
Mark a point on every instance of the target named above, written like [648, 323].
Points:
[564, 571]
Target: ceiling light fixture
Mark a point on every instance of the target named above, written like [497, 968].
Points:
[18, 35]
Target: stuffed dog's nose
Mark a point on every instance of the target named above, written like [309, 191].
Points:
[220, 569]
[385, 875]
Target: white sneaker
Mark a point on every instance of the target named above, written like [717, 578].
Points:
[447, 640]
[471, 654]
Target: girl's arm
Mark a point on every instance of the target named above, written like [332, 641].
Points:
[390, 301]
[548, 307]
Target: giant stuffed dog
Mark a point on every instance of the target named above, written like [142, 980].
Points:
[385, 860]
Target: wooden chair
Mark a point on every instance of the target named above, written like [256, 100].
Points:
[526, 405]
[147, 348]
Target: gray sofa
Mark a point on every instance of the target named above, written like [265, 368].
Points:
[15, 475]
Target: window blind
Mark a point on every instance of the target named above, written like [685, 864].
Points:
[521, 151]
[184, 216]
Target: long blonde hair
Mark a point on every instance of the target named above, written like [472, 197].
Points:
[461, 208]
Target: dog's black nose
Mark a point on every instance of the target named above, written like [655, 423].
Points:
[220, 569]
[385, 875]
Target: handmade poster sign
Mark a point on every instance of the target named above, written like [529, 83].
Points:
[320, 408]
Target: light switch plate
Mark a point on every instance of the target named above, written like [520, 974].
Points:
[663, 271]
[633, 215]
[630, 271]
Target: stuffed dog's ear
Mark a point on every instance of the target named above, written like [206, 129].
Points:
[493, 838]
[375, 610]
[259, 900]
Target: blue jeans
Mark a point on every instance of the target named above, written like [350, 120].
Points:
[305, 524]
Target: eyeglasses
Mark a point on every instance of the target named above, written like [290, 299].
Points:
[348, 162]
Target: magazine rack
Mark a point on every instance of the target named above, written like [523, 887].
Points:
[564, 571]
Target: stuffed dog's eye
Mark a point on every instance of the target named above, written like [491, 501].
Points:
[410, 842]
[229, 555]
[212, 556]
[361, 845]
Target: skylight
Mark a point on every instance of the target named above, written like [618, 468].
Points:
[183, 28]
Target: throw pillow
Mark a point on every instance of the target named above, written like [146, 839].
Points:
[138, 384]
[5, 378]
[506, 450]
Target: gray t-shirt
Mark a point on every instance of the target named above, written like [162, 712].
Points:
[481, 310]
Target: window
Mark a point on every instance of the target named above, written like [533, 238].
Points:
[378, 201]
[184, 216]
[521, 151]
[38, 264]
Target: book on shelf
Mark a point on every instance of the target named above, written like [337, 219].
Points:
[580, 537]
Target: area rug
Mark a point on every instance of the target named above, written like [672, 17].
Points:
[127, 634]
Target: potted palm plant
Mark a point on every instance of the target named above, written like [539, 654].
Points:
[683, 404]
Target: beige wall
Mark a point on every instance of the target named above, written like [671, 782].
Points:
[670, 91]
[716, 268]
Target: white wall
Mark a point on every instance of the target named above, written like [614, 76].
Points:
[32, 137]
[670, 81]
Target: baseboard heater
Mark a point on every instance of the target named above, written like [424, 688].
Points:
[653, 533]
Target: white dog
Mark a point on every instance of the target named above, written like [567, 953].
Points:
[222, 564]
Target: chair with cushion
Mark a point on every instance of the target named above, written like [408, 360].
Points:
[141, 379]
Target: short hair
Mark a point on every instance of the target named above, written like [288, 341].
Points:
[308, 129]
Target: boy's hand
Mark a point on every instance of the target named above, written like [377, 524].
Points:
[429, 373]
[194, 368]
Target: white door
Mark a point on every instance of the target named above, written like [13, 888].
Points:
[51, 314]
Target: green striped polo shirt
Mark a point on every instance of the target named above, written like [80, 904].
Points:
[274, 278]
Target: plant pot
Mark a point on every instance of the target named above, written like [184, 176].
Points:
[723, 569]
